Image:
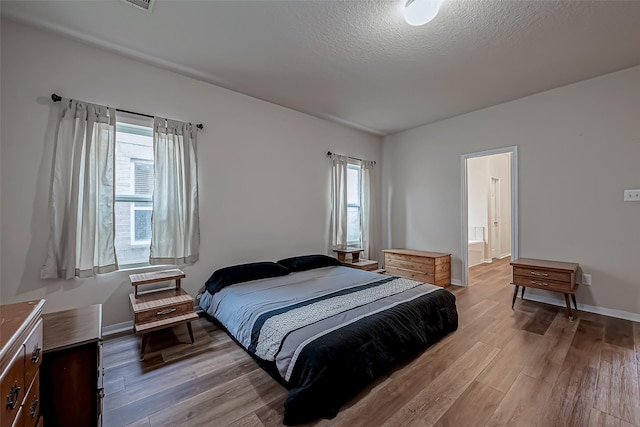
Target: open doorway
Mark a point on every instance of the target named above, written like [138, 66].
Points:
[489, 212]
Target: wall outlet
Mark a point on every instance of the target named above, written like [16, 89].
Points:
[632, 195]
[586, 279]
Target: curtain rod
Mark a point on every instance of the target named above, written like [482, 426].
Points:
[349, 157]
[57, 98]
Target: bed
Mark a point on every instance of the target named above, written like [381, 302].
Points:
[323, 330]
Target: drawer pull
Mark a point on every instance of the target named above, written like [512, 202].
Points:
[35, 354]
[12, 397]
[533, 282]
[33, 408]
[167, 311]
[537, 273]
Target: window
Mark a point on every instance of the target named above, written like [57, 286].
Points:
[133, 188]
[354, 206]
[142, 190]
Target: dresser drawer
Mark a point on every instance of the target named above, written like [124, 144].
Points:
[409, 261]
[410, 274]
[31, 407]
[542, 274]
[12, 389]
[33, 353]
[408, 265]
[164, 312]
[542, 283]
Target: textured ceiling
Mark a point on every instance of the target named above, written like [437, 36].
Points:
[357, 62]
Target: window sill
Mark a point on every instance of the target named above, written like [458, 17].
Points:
[143, 267]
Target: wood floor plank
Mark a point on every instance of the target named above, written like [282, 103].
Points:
[548, 357]
[167, 395]
[433, 401]
[144, 422]
[505, 368]
[478, 403]
[250, 420]
[600, 419]
[618, 392]
[574, 392]
[522, 404]
[541, 320]
[619, 332]
[233, 400]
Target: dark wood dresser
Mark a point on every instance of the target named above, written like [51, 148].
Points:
[555, 276]
[72, 369]
[20, 359]
[423, 266]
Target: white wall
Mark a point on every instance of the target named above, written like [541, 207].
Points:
[263, 171]
[578, 148]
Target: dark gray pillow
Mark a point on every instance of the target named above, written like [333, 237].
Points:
[308, 262]
[243, 273]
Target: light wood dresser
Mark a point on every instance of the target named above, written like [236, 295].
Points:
[20, 359]
[553, 276]
[423, 266]
[160, 308]
[72, 370]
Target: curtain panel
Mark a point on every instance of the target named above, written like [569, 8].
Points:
[175, 223]
[338, 218]
[368, 217]
[81, 193]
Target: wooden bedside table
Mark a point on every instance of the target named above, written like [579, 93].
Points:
[160, 308]
[354, 252]
[553, 276]
[361, 264]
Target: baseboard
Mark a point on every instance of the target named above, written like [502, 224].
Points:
[456, 282]
[503, 256]
[488, 260]
[117, 329]
[127, 327]
[620, 314]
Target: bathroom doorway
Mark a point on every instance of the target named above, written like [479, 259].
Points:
[489, 211]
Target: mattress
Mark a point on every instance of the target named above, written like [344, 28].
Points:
[326, 333]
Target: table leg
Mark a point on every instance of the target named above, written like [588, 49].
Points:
[566, 300]
[522, 295]
[143, 346]
[515, 295]
[190, 332]
[575, 304]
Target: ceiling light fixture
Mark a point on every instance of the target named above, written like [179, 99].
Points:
[419, 12]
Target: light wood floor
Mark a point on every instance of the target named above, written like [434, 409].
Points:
[524, 367]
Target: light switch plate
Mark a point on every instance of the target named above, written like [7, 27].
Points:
[632, 195]
[586, 279]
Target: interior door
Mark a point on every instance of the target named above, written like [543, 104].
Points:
[494, 209]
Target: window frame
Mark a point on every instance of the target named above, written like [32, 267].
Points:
[127, 126]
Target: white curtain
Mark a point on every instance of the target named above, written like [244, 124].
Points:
[175, 224]
[338, 219]
[81, 194]
[368, 211]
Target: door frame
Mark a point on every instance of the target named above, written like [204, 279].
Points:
[513, 150]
